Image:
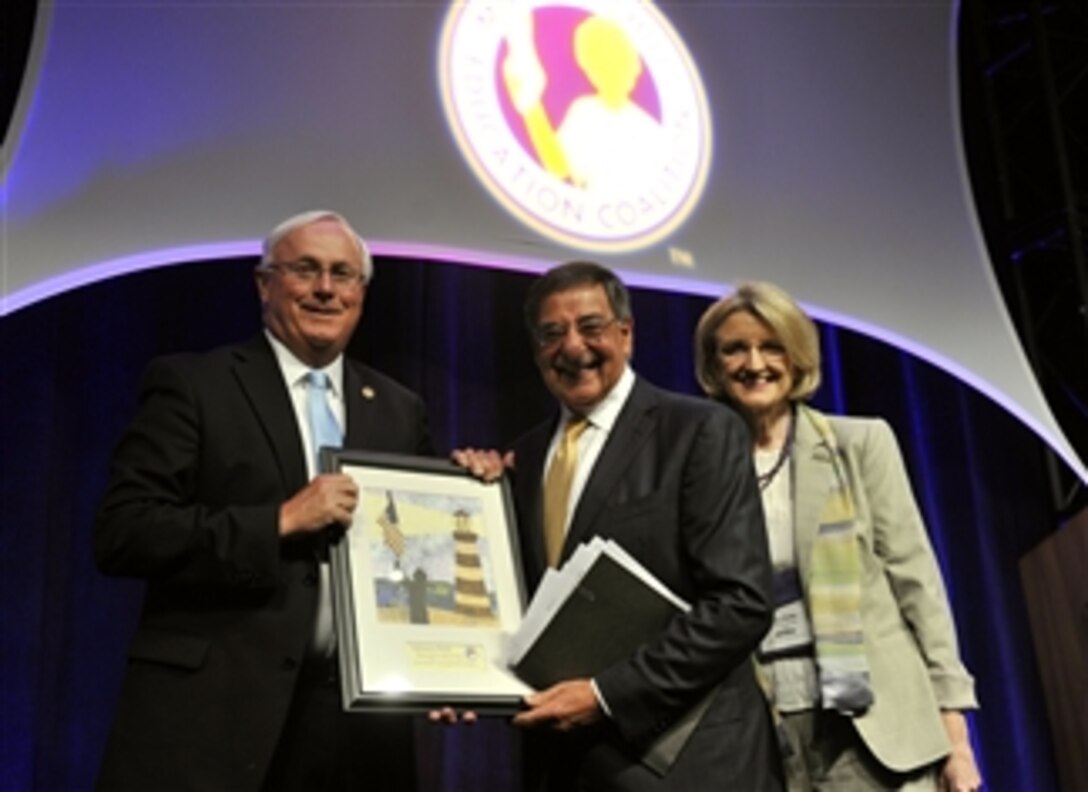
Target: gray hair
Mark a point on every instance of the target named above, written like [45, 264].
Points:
[308, 218]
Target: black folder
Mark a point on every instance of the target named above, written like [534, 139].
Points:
[606, 617]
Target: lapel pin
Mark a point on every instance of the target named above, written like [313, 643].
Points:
[368, 392]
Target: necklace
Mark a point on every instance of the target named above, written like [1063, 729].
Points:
[764, 479]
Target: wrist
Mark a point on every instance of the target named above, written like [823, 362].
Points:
[286, 521]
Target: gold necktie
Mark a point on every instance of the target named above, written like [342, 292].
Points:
[557, 488]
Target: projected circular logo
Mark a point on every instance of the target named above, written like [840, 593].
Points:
[587, 121]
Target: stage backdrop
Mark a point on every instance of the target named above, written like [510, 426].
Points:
[68, 381]
[690, 145]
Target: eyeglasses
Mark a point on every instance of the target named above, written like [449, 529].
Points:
[590, 328]
[309, 271]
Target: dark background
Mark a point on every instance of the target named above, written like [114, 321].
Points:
[1024, 89]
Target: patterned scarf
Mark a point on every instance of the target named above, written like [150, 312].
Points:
[834, 590]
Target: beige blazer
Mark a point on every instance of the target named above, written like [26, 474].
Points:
[910, 640]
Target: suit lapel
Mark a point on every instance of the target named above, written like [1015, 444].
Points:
[261, 381]
[358, 407]
[632, 428]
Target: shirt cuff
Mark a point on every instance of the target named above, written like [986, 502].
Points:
[600, 698]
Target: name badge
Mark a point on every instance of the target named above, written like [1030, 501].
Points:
[791, 632]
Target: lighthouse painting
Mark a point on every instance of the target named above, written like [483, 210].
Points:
[430, 560]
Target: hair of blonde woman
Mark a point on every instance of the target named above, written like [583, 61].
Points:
[790, 324]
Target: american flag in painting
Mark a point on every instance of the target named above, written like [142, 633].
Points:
[391, 533]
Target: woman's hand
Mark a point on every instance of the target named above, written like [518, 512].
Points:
[960, 772]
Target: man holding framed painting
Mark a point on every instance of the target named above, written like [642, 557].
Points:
[669, 478]
[216, 502]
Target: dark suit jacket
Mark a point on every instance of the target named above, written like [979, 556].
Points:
[193, 508]
[674, 485]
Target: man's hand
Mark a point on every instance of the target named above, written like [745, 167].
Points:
[329, 498]
[484, 465]
[564, 706]
[450, 715]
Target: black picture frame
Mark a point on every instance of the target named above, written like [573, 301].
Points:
[427, 586]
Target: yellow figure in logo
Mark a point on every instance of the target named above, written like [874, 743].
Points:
[605, 139]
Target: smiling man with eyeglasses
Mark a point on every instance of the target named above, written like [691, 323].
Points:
[669, 477]
[583, 339]
[217, 503]
[312, 283]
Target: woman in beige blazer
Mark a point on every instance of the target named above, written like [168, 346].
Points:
[861, 665]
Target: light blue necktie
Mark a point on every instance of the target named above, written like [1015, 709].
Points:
[324, 429]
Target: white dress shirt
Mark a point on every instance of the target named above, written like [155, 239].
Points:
[294, 376]
[600, 419]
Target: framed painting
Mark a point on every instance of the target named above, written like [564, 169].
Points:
[427, 586]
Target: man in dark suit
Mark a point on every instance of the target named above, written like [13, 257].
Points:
[669, 478]
[215, 501]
